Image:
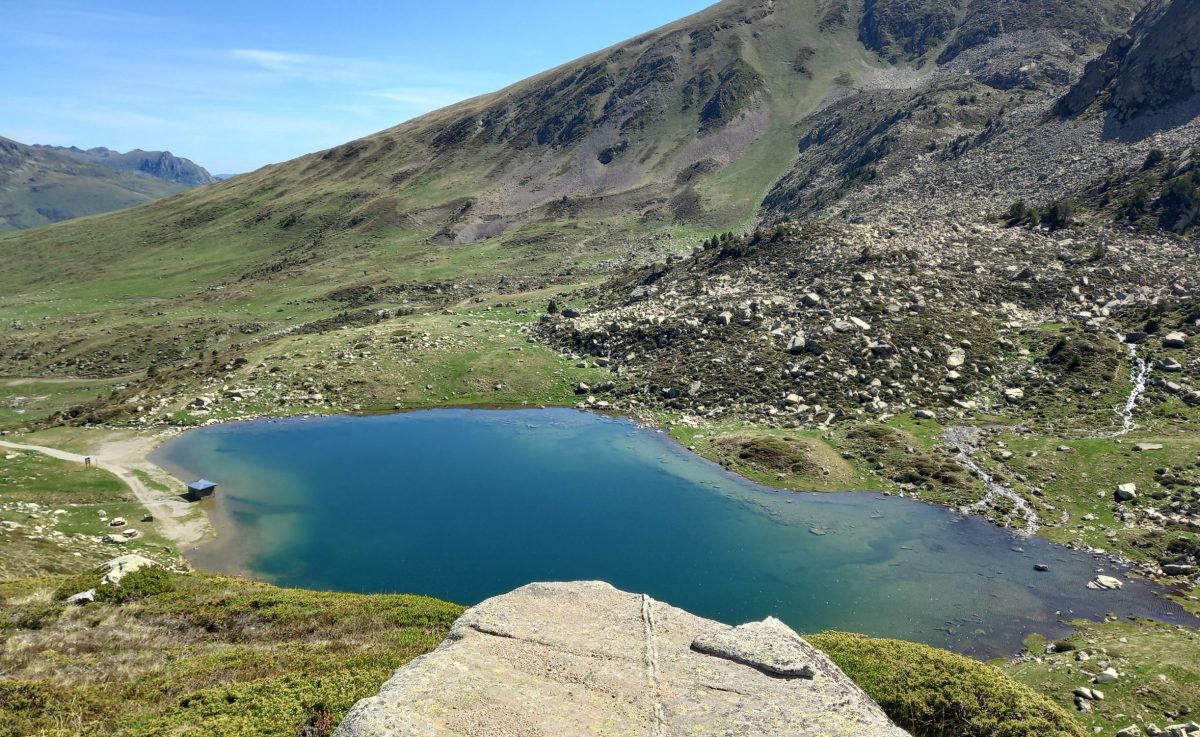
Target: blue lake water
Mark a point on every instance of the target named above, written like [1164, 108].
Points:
[466, 504]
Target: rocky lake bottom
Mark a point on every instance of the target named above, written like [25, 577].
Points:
[466, 504]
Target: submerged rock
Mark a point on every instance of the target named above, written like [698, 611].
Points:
[587, 659]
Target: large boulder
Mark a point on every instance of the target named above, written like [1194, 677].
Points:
[119, 568]
[586, 659]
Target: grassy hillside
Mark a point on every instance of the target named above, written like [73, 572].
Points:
[183, 655]
[55, 516]
[639, 148]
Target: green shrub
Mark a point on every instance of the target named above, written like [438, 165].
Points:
[72, 585]
[34, 616]
[1058, 214]
[933, 693]
[140, 584]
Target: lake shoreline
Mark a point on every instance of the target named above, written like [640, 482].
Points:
[144, 457]
[259, 511]
[202, 550]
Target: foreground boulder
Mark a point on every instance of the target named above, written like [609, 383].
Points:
[587, 659]
[118, 568]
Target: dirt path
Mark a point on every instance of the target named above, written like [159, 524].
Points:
[177, 520]
[24, 381]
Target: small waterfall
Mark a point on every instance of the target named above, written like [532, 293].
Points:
[1140, 369]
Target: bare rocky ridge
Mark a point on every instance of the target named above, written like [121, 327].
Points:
[1154, 66]
[587, 659]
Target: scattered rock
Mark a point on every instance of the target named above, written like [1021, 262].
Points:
[1175, 340]
[83, 597]
[119, 568]
[1106, 582]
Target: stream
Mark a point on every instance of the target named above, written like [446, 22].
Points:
[1140, 371]
[965, 440]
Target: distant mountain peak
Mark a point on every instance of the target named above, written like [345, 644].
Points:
[158, 164]
[47, 184]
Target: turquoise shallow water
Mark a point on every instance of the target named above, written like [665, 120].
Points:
[466, 504]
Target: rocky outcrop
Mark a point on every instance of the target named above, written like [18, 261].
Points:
[917, 30]
[587, 659]
[1152, 67]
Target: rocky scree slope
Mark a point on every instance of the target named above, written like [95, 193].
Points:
[812, 323]
[984, 127]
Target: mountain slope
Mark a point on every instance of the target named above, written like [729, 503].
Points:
[42, 185]
[617, 158]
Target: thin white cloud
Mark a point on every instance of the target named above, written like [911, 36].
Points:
[276, 61]
[425, 98]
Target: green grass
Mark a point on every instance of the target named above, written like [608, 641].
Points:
[787, 459]
[1160, 667]
[207, 655]
[1082, 480]
[58, 506]
[26, 400]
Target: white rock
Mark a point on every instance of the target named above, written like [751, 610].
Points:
[1175, 340]
[1106, 582]
[119, 568]
[83, 597]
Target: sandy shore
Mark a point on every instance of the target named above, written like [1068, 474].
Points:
[126, 456]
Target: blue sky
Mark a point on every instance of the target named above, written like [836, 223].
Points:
[236, 85]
